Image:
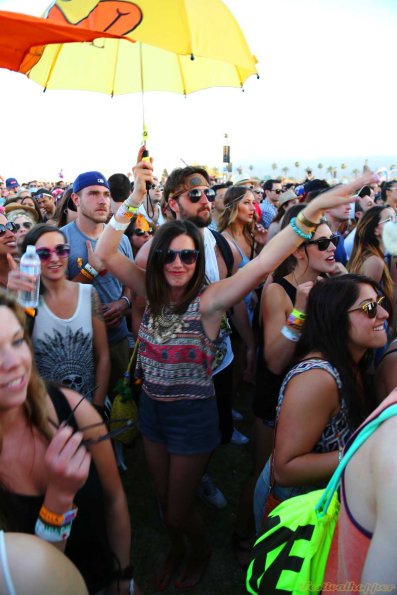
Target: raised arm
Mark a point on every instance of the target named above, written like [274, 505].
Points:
[107, 246]
[220, 296]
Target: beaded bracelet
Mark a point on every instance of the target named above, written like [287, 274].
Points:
[295, 322]
[58, 520]
[301, 234]
[290, 335]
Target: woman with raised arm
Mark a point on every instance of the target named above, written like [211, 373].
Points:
[178, 334]
[326, 396]
[57, 468]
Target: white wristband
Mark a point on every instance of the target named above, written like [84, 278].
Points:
[117, 225]
[51, 533]
[93, 272]
[290, 335]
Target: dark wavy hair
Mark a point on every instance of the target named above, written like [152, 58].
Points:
[326, 330]
[157, 289]
[179, 175]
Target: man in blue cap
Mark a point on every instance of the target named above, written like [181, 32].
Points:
[91, 196]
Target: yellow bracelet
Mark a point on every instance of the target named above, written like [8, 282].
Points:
[86, 274]
[306, 222]
[57, 520]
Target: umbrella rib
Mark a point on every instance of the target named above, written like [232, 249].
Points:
[115, 66]
[182, 74]
[53, 64]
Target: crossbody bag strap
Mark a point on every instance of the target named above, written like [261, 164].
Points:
[365, 433]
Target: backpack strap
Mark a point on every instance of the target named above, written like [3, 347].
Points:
[359, 439]
[225, 250]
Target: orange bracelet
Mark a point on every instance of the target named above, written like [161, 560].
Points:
[57, 520]
[86, 274]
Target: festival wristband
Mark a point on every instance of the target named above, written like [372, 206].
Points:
[51, 533]
[298, 314]
[93, 272]
[86, 274]
[117, 225]
[290, 335]
[53, 518]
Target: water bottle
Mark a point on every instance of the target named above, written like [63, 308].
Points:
[30, 265]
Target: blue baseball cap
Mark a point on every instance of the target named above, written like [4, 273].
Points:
[11, 183]
[89, 178]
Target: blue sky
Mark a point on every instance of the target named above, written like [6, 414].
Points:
[326, 93]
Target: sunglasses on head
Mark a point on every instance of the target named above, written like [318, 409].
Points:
[10, 226]
[195, 194]
[186, 256]
[370, 308]
[141, 232]
[323, 243]
[43, 195]
[25, 224]
[62, 251]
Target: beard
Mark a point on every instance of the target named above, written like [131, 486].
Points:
[199, 221]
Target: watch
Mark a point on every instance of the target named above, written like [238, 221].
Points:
[117, 225]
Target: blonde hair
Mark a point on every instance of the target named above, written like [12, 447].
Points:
[35, 404]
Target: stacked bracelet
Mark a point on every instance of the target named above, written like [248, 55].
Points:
[86, 274]
[89, 269]
[54, 527]
[127, 211]
[301, 234]
[296, 320]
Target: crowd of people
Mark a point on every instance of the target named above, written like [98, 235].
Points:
[289, 285]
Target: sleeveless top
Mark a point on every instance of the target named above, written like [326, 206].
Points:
[338, 429]
[176, 364]
[351, 541]
[63, 348]
[268, 384]
[5, 571]
[87, 547]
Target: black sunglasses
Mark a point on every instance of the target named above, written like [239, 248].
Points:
[10, 226]
[323, 243]
[140, 232]
[278, 191]
[186, 256]
[370, 308]
[195, 194]
[62, 251]
[25, 224]
[157, 187]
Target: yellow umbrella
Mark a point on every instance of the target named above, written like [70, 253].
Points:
[182, 46]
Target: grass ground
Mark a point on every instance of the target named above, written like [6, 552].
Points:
[229, 467]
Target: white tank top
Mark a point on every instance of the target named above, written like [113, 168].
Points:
[5, 571]
[64, 347]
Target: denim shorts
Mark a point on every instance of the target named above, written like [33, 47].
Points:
[185, 427]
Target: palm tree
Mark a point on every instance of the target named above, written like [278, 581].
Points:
[239, 170]
[355, 171]
[320, 167]
[297, 165]
[251, 168]
[274, 168]
[330, 169]
[343, 166]
[285, 170]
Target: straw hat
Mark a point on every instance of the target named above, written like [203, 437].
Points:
[15, 209]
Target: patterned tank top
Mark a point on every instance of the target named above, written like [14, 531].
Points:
[338, 429]
[175, 357]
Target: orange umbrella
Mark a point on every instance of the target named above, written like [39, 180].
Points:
[20, 33]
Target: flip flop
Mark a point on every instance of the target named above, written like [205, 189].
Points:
[195, 568]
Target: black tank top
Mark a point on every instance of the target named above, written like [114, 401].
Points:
[268, 384]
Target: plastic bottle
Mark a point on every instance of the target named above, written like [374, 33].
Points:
[30, 265]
